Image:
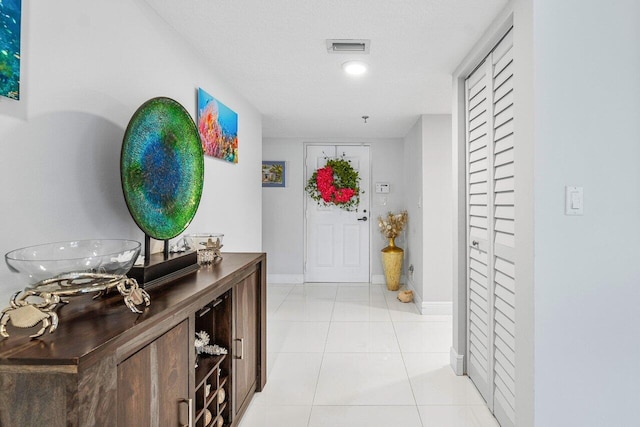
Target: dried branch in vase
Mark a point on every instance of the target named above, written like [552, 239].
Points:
[393, 224]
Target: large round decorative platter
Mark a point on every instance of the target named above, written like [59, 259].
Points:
[162, 168]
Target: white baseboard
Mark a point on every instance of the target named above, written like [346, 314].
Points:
[456, 361]
[285, 279]
[440, 308]
[377, 279]
[417, 299]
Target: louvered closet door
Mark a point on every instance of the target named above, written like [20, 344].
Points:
[504, 285]
[478, 208]
[490, 225]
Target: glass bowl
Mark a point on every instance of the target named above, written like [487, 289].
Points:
[41, 262]
[199, 240]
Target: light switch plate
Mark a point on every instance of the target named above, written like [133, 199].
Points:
[574, 200]
[383, 187]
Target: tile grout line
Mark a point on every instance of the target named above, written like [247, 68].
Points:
[324, 351]
[283, 299]
[404, 363]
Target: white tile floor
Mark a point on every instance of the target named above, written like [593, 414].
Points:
[345, 355]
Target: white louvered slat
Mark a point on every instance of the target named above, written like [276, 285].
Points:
[503, 158]
[479, 340]
[478, 210]
[478, 155]
[501, 61]
[478, 132]
[479, 278]
[478, 267]
[505, 74]
[502, 97]
[503, 116]
[479, 255]
[504, 308]
[504, 185]
[504, 130]
[505, 239]
[506, 364]
[505, 294]
[479, 165]
[503, 144]
[478, 291]
[477, 105]
[505, 391]
[478, 143]
[503, 411]
[505, 282]
[480, 176]
[504, 376]
[506, 212]
[505, 266]
[503, 110]
[505, 199]
[478, 188]
[477, 362]
[476, 89]
[480, 118]
[504, 171]
[504, 226]
[481, 311]
[504, 341]
[505, 323]
[479, 200]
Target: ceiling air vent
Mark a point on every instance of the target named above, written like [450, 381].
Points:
[348, 46]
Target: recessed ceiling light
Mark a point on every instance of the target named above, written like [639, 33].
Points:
[355, 68]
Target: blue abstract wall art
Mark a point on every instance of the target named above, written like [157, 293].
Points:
[10, 16]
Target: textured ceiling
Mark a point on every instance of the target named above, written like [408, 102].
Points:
[274, 53]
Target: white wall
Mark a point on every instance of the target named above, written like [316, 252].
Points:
[413, 179]
[283, 219]
[87, 66]
[436, 211]
[587, 269]
[427, 171]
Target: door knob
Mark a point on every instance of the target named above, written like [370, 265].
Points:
[475, 243]
[364, 218]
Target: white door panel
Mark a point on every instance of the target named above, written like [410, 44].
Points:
[337, 241]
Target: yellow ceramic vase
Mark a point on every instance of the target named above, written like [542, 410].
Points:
[392, 264]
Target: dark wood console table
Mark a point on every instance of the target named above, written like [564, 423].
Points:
[106, 366]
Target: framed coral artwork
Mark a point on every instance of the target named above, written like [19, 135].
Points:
[218, 128]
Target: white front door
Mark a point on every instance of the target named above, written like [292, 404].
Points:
[337, 241]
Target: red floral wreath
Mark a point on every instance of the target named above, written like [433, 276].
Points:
[328, 191]
[335, 184]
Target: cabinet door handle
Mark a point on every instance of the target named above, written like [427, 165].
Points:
[189, 403]
[241, 340]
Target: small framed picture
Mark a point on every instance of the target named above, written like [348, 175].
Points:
[273, 174]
